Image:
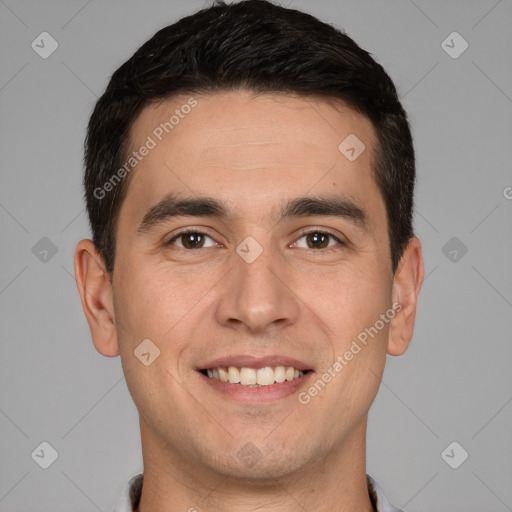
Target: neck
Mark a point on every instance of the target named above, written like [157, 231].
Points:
[337, 482]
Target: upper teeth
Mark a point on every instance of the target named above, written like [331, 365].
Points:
[252, 376]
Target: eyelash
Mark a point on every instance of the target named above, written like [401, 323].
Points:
[321, 231]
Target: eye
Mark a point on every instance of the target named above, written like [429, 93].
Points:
[313, 239]
[191, 240]
[317, 239]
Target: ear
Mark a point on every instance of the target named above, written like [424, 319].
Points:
[96, 295]
[406, 288]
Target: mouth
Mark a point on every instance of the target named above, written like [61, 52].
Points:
[253, 380]
[254, 377]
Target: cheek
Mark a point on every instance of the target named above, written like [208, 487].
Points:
[154, 307]
[151, 301]
[351, 308]
[350, 298]
[163, 306]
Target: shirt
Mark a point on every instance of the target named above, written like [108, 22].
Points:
[130, 496]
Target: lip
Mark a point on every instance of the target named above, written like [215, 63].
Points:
[258, 394]
[250, 361]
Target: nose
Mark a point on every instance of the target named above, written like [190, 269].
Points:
[258, 294]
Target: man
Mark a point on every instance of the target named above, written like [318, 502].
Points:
[249, 182]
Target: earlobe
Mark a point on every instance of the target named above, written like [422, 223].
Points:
[406, 288]
[96, 296]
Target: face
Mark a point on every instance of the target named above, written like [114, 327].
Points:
[249, 240]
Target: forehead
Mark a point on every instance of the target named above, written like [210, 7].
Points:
[253, 147]
[227, 120]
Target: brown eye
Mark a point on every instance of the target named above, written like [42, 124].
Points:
[317, 240]
[191, 240]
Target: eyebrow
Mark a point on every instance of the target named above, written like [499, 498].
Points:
[172, 206]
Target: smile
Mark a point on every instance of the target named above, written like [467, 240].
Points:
[255, 377]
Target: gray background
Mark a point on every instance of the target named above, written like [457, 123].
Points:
[454, 383]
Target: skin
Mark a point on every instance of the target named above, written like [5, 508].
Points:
[253, 153]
